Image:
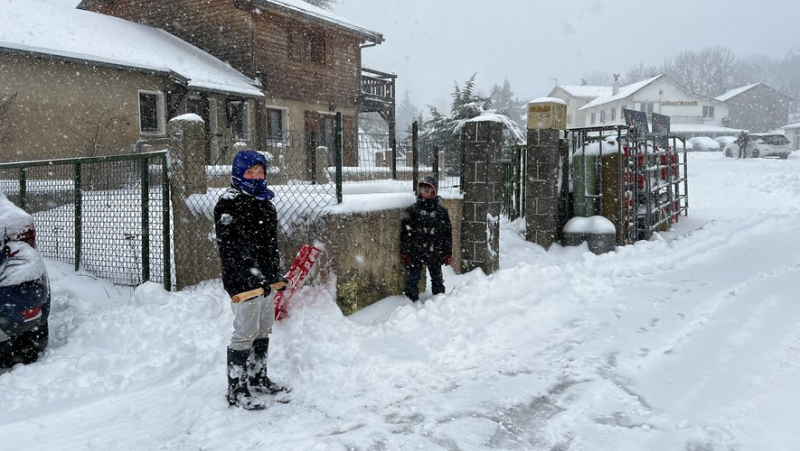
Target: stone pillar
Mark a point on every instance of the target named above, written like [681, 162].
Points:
[195, 254]
[547, 178]
[481, 182]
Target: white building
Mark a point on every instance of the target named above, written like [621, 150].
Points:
[690, 114]
[793, 133]
[576, 97]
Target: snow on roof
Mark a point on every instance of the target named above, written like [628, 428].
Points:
[31, 26]
[702, 128]
[548, 99]
[624, 92]
[305, 8]
[588, 91]
[735, 92]
[791, 126]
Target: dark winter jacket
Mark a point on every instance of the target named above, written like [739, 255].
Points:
[247, 230]
[425, 231]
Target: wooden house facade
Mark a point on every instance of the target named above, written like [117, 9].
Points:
[306, 61]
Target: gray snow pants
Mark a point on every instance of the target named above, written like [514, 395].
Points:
[251, 319]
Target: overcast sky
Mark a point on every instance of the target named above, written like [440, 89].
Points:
[430, 44]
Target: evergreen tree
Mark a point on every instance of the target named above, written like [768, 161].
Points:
[407, 113]
[504, 101]
[445, 131]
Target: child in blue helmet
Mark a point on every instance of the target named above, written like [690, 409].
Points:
[426, 238]
[246, 226]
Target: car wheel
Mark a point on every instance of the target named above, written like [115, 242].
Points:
[756, 153]
[728, 153]
[784, 156]
[30, 344]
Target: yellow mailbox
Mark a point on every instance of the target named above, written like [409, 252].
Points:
[547, 113]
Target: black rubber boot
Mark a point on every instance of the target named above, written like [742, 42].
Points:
[259, 381]
[238, 393]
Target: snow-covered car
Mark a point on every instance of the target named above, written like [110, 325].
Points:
[769, 145]
[725, 145]
[24, 288]
[704, 144]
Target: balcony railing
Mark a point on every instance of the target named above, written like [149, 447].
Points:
[376, 87]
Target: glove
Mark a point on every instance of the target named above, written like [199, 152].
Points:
[406, 259]
[267, 289]
[447, 259]
[281, 279]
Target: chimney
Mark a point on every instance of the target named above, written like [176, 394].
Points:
[615, 85]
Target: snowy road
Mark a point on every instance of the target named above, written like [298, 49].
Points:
[690, 341]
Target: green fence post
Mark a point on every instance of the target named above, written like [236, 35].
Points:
[23, 187]
[394, 159]
[166, 246]
[78, 216]
[313, 156]
[436, 162]
[414, 155]
[145, 174]
[338, 158]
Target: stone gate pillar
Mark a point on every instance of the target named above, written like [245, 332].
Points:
[195, 253]
[481, 182]
[547, 180]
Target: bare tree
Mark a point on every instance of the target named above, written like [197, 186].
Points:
[710, 72]
[5, 113]
[639, 73]
[95, 133]
[597, 78]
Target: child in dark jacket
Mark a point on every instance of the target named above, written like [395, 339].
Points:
[426, 239]
[246, 225]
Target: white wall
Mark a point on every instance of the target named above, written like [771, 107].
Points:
[668, 99]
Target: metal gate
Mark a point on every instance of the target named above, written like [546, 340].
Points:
[108, 216]
[637, 180]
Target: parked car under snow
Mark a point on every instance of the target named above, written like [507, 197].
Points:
[704, 144]
[24, 288]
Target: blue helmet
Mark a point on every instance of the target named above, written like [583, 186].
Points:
[241, 163]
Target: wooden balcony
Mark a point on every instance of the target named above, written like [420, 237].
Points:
[377, 93]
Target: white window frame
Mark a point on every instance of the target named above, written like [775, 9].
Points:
[160, 109]
[708, 112]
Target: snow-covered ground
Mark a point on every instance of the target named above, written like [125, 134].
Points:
[690, 341]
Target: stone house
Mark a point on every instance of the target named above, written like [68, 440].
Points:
[85, 84]
[757, 107]
[307, 60]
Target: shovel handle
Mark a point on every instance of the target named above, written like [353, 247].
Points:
[246, 295]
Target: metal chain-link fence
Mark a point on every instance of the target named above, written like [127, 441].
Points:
[105, 215]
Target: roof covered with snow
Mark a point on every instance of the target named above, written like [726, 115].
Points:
[702, 128]
[624, 92]
[735, 92]
[315, 12]
[592, 92]
[44, 29]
